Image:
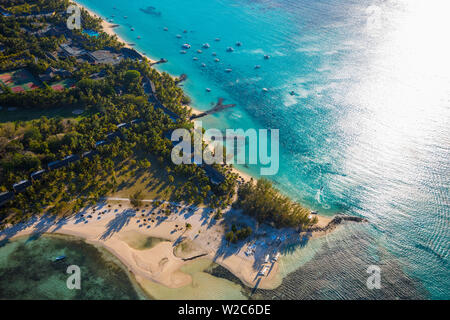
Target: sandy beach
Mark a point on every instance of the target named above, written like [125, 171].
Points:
[126, 233]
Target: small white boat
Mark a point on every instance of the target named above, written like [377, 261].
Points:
[208, 89]
[199, 51]
[203, 65]
[195, 58]
[263, 271]
[266, 259]
[266, 56]
[230, 49]
[206, 45]
[228, 70]
[59, 258]
[166, 29]
[132, 29]
[186, 46]
[275, 258]
[257, 66]
[178, 36]
[183, 51]
[238, 44]
[214, 54]
[265, 89]
[216, 59]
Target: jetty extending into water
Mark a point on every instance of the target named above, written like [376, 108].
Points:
[217, 108]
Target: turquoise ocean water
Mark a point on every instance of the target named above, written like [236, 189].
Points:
[366, 133]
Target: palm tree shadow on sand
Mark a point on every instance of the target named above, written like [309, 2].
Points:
[120, 220]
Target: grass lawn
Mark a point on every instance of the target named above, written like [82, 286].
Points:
[21, 114]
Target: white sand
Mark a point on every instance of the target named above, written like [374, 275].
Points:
[120, 228]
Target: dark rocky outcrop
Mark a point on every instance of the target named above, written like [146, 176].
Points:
[337, 220]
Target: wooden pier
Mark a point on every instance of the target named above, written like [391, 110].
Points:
[217, 108]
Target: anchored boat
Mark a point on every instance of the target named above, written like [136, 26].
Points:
[59, 258]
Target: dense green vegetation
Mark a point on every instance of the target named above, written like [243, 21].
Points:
[23, 45]
[235, 234]
[115, 97]
[266, 204]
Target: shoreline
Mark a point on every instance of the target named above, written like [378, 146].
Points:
[121, 231]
